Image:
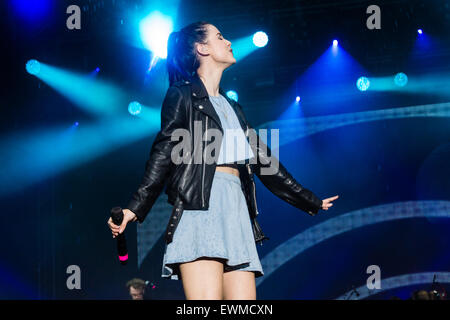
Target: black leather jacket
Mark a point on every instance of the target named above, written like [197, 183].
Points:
[189, 184]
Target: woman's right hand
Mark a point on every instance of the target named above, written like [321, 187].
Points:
[326, 203]
[128, 216]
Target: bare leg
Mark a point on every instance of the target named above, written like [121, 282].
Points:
[239, 285]
[202, 279]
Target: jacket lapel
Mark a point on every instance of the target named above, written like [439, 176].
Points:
[200, 100]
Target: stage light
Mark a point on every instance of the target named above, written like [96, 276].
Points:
[260, 39]
[335, 43]
[232, 95]
[76, 124]
[419, 31]
[33, 67]
[297, 99]
[363, 83]
[94, 72]
[401, 79]
[155, 30]
[134, 108]
[32, 11]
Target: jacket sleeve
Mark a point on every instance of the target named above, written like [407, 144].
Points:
[159, 163]
[280, 182]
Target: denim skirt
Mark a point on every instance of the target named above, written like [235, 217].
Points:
[223, 231]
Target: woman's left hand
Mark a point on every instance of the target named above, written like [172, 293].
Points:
[326, 203]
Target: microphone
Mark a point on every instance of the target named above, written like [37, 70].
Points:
[117, 218]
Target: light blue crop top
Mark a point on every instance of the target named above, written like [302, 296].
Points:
[235, 146]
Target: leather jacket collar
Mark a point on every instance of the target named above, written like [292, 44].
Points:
[198, 88]
[200, 100]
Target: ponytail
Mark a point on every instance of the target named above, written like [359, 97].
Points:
[182, 62]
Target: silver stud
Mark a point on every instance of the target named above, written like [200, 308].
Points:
[171, 224]
[174, 217]
[186, 82]
[200, 107]
[177, 209]
[169, 232]
[194, 94]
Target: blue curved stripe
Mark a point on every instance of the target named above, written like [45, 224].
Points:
[293, 129]
[347, 222]
[398, 282]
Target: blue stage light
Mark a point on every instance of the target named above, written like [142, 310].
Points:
[232, 95]
[335, 43]
[419, 31]
[155, 30]
[134, 108]
[297, 99]
[32, 11]
[260, 39]
[363, 83]
[97, 69]
[33, 67]
[401, 79]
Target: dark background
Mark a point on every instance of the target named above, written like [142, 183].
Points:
[61, 220]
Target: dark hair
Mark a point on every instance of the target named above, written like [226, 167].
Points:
[136, 283]
[182, 60]
[420, 295]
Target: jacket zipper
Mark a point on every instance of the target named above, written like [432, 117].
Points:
[203, 171]
[254, 196]
[254, 187]
[253, 182]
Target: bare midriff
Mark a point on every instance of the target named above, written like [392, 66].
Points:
[228, 170]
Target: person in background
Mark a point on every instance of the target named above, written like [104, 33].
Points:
[420, 295]
[136, 288]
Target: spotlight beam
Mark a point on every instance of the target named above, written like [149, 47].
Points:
[31, 157]
[90, 94]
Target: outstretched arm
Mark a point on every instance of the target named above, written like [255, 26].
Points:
[277, 179]
[281, 183]
[157, 167]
